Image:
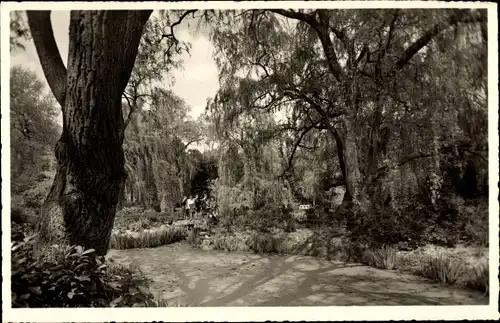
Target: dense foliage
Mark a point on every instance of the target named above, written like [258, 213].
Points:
[367, 110]
[377, 119]
[33, 134]
[69, 276]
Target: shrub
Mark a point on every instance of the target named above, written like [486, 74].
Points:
[22, 224]
[443, 269]
[387, 226]
[69, 276]
[348, 250]
[409, 262]
[383, 258]
[478, 278]
[475, 217]
[147, 238]
[229, 243]
[266, 243]
[35, 196]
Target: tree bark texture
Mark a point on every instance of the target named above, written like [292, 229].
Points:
[90, 174]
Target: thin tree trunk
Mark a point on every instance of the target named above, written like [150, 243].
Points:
[81, 205]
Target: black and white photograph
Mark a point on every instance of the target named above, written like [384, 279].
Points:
[281, 160]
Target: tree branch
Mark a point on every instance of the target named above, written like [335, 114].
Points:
[171, 35]
[364, 51]
[131, 111]
[459, 17]
[391, 30]
[322, 29]
[189, 143]
[290, 159]
[443, 150]
[314, 105]
[50, 59]
[295, 15]
[475, 153]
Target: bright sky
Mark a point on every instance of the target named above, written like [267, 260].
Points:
[195, 83]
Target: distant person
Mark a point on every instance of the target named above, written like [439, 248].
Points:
[186, 206]
[190, 206]
[201, 205]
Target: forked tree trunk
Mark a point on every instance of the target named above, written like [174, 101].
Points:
[81, 205]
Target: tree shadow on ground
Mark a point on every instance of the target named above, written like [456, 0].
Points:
[202, 278]
[329, 285]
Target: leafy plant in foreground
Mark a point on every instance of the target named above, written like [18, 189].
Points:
[70, 276]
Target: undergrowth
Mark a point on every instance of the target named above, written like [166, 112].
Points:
[442, 269]
[70, 276]
[266, 243]
[229, 243]
[383, 258]
[478, 278]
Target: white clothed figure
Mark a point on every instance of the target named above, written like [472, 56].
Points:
[190, 206]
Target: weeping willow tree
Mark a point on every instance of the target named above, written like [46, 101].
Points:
[158, 165]
[366, 77]
[249, 162]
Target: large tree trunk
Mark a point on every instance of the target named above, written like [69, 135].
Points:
[356, 197]
[81, 205]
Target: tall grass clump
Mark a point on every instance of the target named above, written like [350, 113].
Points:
[442, 269]
[383, 258]
[147, 238]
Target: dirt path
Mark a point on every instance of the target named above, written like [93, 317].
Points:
[186, 276]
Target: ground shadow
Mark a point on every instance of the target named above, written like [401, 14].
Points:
[212, 278]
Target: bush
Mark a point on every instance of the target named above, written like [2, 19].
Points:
[266, 243]
[351, 251]
[229, 243]
[409, 262]
[69, 276]
[147, 238]
[383, 258]
[474, 217]
[141, 220]
[443, 269]
[409, 223]
[22, 224]
[478, 278]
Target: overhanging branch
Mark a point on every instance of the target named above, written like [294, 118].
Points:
[296, 145]
[178, 22]
[322, 29]
[443, 150]
[131, 111]
[459, 17]
[48, 53]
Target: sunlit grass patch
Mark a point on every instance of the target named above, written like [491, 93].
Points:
[147, 238]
